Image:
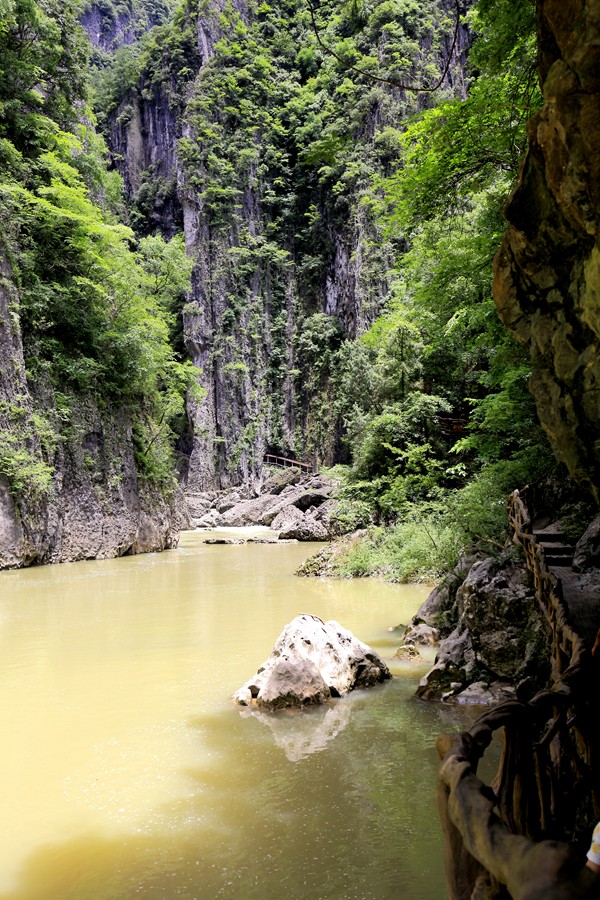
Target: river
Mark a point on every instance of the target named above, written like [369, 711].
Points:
[126, 771]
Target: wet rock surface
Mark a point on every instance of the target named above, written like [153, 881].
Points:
[587, 549]
[312, 662]
[421, 634]
[480, 693]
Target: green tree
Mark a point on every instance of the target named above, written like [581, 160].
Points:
[452, 427]
[43, 61]
[97, 314]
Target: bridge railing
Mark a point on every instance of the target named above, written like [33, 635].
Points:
[272, 459]
[502, 837]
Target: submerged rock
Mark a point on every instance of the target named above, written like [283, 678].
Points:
[220, 540]
[480, 693]
[422, 634]
[407, 651]
[311, 662]
[415, 636]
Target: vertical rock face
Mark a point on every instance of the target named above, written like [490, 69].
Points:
[13, 395]
[287, 260]
[547, 282]
[106, 34]
[13, 384]
[110, 27]
[143, 137]
[283, 255]
[66, 493]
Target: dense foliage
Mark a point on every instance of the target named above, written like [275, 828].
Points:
[348, 230]
[443, 427]
[280, 148]
[96, 312]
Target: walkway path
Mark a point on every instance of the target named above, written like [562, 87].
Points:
[271, 459]
[581, 591]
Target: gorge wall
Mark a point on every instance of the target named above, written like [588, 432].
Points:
[70, 489]
[110, 26]
[547, 284]
[235, 129]
[267, 153]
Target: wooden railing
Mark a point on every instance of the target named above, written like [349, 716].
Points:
[272, 460]
[567, 644]
[503, 836]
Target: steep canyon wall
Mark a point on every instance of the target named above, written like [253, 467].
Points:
[70, 489]
[271, 177]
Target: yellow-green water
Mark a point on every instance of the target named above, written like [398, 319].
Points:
[125, 770]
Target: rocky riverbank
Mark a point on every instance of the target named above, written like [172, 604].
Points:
[494, 642]
[294, 506]
[96, 506]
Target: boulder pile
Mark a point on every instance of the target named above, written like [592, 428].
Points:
[295, 506]
[494, 640]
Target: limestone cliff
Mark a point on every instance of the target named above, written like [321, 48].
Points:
[112, 26]
[547, 283]
[143, 139]
[70, 489]
[287, 254]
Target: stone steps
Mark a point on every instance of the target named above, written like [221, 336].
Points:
[559, 556]
[558, 549]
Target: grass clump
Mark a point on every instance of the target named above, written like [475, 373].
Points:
[418, 550]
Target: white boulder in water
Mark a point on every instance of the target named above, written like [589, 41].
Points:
[311, 662]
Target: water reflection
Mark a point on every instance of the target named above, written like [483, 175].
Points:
[355, 821]
[300, 732]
